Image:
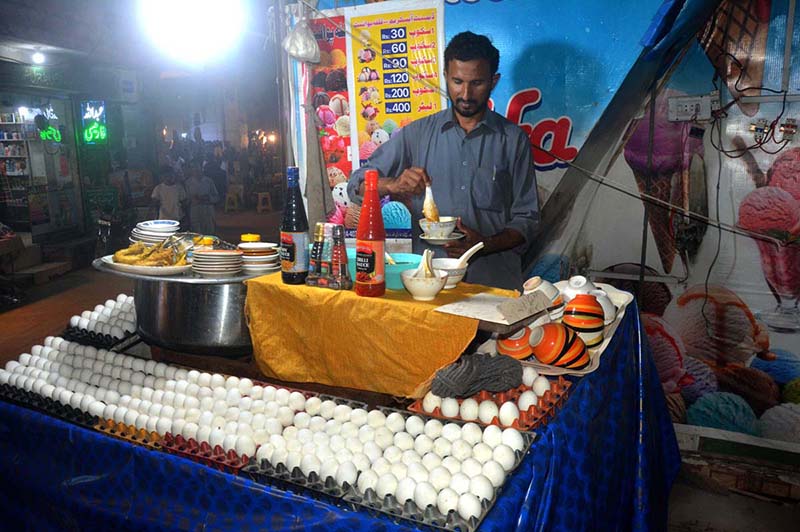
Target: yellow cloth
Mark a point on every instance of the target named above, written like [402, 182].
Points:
[391, 345]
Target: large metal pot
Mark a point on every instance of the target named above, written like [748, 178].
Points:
[191, 314]
[206, 319]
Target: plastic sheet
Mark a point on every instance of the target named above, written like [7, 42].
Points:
[606, 462]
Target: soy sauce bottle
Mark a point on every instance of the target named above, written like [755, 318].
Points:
[294, 232]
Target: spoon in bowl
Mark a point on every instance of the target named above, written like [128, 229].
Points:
[462, 260]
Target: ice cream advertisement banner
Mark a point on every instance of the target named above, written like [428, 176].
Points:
[331, 97]
[395, 69]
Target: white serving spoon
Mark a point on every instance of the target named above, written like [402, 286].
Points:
[462, 260]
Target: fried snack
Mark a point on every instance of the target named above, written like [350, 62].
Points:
[139, 254]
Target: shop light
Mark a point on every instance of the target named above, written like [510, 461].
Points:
[193, 32]
[272, 138]
[38, 58]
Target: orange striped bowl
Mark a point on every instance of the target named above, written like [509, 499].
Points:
[557, 345]
[517, 345]
[584, 315]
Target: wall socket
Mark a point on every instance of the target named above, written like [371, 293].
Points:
[693, 108]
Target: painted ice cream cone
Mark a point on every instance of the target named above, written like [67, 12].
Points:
[735, 41]
[668, 353]
[719, 328]
[671, 179]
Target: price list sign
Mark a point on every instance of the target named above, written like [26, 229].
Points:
[396, 71]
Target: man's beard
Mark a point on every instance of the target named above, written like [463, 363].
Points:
[474, 110]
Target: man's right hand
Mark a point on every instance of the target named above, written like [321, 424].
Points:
[410, 183]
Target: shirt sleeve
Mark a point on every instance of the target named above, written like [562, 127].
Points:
[156, 194]
[525, 206]
[390, 159]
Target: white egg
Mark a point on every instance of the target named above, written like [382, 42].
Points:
[232, 382]
[163, 425]
[312, 405]
[512, 438]
[181, 374]
[540, 385]
[366, 434]
[424, 495]
[504, 455]
[279, 456]
[393, 454]
[508, 414]
[83, 323]
[430, 402]
[367, 480]
[449, 407]
[447, 501]
[415, 425]
[346, 473]
[245, 446]
[142, 419]
[380, 465]
[328, 468]
[396, 422]
[471, 467]
[342, 413]
[461, 449]
[487, 411]
[297, 401]
[452, 464]
[405, 490]
[326, 408]
[442, 446]
[440, 478]
[418, 471]
[529, 375]
[229, 443]
[216, 437]
[494, 472]
[386, 485]
[492, 436]
[177, 426]
[481, 487]
[433, 428]
[469, 506]
[217, 380]
[404, 441]
[384, 437]
[526, 400]
[282, 396]
[399, 470]
[332, 427]
[423, 444]
[451, 431]
[469, 410]
[358, 417]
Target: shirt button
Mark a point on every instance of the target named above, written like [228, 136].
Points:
[463, 187]
[463, 163]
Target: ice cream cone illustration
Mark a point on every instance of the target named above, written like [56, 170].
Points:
[735, 41]
[717, 326]
[676, 176]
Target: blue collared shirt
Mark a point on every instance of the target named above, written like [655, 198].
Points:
[485, 176]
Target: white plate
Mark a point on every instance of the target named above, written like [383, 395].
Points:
[442, 241]
[169, 226]
[257, 246]
[621, 300]
[258, 260]
[269, 269]
[146, 270]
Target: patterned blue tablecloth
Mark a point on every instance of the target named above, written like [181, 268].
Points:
[606, 462]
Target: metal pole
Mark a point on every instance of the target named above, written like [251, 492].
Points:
[787, 47]
[648, 180]
[282, 84]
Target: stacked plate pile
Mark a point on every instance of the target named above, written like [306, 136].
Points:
[259, 257]
[154, 231]
[217, 262]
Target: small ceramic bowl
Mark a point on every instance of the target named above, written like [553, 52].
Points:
[577, 284]
[517, 345]
[424, 288]
[609, 309]
[454, 275]
[441, 229]
[557, 345]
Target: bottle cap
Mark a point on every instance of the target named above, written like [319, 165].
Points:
[371, 179]
[250, 237]
[207, 241]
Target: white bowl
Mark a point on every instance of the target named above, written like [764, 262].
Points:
[441, 229]
[578, 284]
[454, 275]
[423, 288]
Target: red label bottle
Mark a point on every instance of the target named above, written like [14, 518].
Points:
[370, 242]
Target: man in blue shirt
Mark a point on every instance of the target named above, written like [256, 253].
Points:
[477, 163]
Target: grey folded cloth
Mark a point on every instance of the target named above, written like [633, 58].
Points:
[475, 372]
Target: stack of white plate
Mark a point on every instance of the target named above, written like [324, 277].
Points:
[217, 262]
[154, 231]
[259, 257]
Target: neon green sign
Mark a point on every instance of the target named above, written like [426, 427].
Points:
[94, 133]
[50, 133]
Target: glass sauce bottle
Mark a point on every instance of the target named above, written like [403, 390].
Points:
[294, 232]
[370, 242]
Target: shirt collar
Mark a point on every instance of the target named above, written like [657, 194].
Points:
[491, 120]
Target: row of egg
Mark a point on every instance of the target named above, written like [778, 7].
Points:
[486, 411]
[114, 318]
[239, 415]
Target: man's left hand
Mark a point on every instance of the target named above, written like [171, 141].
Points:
[457, 248]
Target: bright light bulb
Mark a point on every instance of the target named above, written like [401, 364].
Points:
[194, 32]
[38, 58]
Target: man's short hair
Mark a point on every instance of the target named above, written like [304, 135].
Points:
[468, 46]
[166, 170]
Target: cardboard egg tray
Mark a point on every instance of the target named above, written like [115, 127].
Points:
[129, 433]
[215, 458]
[264, 472]
[84, 337]
[430, 516]
[47, 406]
[534, 418]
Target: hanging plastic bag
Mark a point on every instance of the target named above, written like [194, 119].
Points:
[301, 44]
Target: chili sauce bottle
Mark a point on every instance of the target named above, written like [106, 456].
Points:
[294, 232]
[370, 242]
[340, 274]
[316, 255]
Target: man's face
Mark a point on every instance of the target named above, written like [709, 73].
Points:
[469, 85]
[169, 179]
